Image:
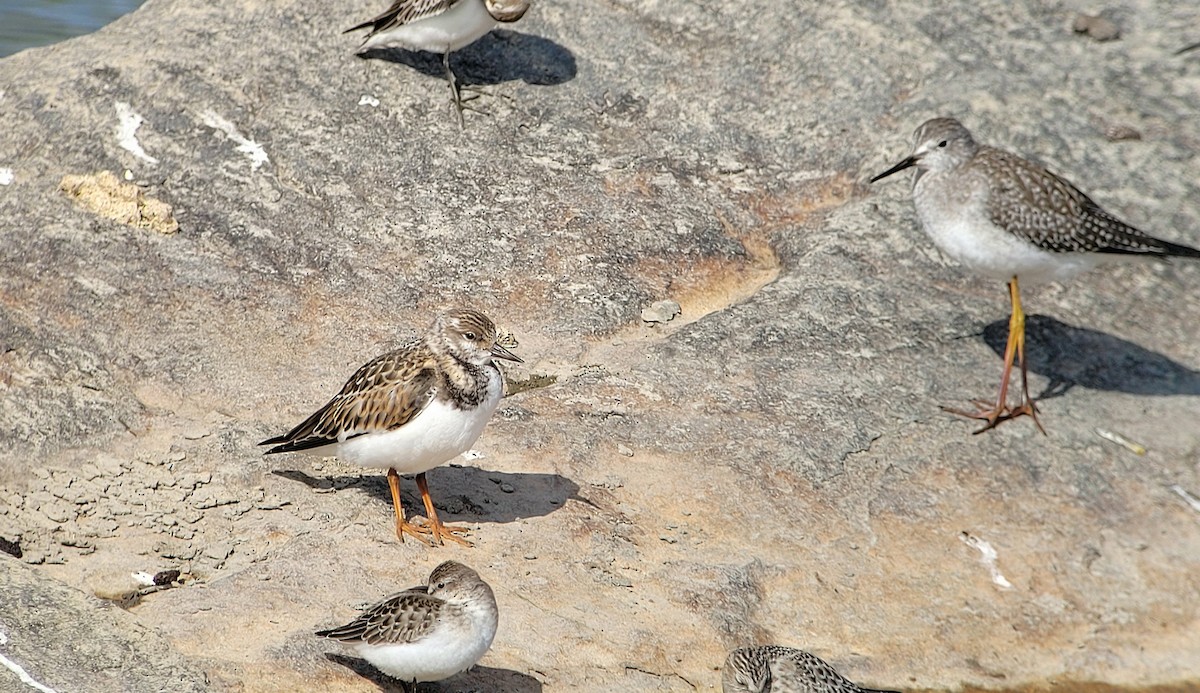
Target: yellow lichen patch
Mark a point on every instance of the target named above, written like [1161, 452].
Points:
[101, 193]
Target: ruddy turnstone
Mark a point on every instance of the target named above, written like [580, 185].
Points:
[775, 669]
[1009, 218]
[439, 26]
[426, 633]
[413, 409]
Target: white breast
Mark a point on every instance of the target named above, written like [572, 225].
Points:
[459, 26]
[451, 648]
[437, 435]
[966, 234]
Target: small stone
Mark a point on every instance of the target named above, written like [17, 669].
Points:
[661, 311]
[625, 450]
[507, 487]
[727, 165]
[530, 557]
[117, 587]
[165, 577]
[1096, 27]
[1121, 133]
[11, 547]
[218, 551]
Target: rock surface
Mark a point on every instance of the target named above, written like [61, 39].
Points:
[770, 466]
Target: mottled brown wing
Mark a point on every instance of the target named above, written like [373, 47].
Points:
[801, 672]
[382, 395]
[1034, 204]
[402, 12]
[403, 617]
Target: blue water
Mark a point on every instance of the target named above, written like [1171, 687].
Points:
[28, 23]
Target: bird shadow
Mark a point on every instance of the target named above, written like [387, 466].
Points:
[477, 680]
[478, 495]
[1070, 356]
[500, 56]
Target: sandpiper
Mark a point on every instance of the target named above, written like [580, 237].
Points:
[413, 409]
[439, 26]
[776, 669]
[426, 633]
[1008, 218]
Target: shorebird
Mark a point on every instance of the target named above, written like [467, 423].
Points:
[426, 633]
[1009, 218]
[439, 26]
[775, 669]
[413, 409]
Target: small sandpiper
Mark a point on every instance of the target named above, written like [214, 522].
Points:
[439, 26]
[775, 669]
[413, 409]
[1009, 218]
[426, 633]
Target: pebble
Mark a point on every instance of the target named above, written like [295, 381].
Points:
[1096, 27]
[1121, 133]
[661, 311]
[727, 165]
[117, 587]
[507, 488]
[218, 551]
[625, 450]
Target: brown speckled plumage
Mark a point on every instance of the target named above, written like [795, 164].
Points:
[1024, 198]
[413, 409]
[775, 669]
[390, 390]
[408, 616]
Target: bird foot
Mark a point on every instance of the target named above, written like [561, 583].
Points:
[421, 533]
[995, 414]
[451, 532]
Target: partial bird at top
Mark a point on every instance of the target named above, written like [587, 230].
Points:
[439, 26]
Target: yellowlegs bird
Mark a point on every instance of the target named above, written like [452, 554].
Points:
[1009, 218]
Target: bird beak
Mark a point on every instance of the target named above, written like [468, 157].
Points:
[910, 161]
[501, 353]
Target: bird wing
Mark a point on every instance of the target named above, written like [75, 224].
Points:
[383, 394]
[1048, 211]
[403, 617]
[402, 12]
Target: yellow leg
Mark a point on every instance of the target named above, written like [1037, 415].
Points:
[1014, 350]
[403, 526]
[439, 530]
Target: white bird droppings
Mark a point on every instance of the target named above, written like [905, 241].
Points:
[128, 123]
[988, 558]
[253, 150]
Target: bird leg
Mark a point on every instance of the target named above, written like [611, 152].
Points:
[403, 526]
[438, 529]
[1013, 350]
[456, 93]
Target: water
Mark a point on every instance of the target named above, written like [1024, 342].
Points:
[28, 23]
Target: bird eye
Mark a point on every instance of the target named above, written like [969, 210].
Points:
[441, 585]
[469, 335]
[942, 143]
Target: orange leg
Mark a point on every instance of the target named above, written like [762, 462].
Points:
[438, 529]
[404, 526]
[1013, 350]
